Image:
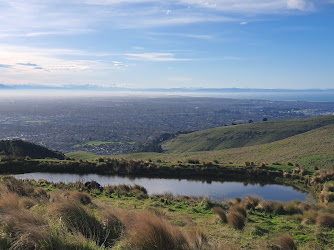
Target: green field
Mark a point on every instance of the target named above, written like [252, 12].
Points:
[83, 155]
[98, 143]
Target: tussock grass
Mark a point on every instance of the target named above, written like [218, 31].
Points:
[240, 209]
[83, 198]
[251, 202]
[221, 214]
[152, 232]
[236, 220]
[77, 219]
[285, 242]
[325, 220]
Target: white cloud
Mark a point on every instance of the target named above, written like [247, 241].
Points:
[253, 6]
[49, 66]
[156, 57]
[244, 23]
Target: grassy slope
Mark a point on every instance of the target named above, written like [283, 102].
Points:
[314, 147]
[244, 135]
[311, 148]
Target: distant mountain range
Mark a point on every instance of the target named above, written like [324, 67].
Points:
[171, 90]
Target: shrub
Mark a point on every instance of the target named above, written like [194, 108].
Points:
[325, 220]
[236, 220]
[152, 232]
[285, 242]
[221, 213]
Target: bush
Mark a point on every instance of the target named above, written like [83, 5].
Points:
[236, 220]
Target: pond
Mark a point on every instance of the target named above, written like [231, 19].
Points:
[215, 190]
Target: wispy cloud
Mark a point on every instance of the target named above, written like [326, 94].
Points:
[156, 57]
[254, 6]
[51, 66]
[5, 66]
[28, 64]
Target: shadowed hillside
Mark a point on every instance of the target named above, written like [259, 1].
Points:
[19, 149]
[244, 135]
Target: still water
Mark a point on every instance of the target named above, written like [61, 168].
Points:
[215, 190]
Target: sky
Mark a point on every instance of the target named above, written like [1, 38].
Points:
[168, 44]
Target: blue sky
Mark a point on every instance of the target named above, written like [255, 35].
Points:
[168, 44]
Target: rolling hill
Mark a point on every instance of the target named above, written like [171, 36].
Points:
[243, 135]
[21, 149]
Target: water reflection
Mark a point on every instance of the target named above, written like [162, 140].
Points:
[214, 189]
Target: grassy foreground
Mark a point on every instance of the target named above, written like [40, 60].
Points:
[45, 215]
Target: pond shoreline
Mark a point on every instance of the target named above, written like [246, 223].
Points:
[132, 169]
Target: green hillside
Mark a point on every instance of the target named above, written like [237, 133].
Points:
[243, 135]
[19, 148]
[312, 148]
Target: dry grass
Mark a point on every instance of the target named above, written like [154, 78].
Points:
[285, 242]
[240, 209]
[309, 217]
[236, 220]
[221, 214]
[83, 198]
[251, 202]
[77, 219]
[325, 220]
[40, 192]
[153, 232]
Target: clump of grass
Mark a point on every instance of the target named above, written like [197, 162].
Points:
[285, 242]
[198, 239]
[236, 220]
[77, 219]
[325, 220]
[251, 202]
[240, 209]
[309, 217]
[40, 192]
[83, 198]
[27, 203]
[113, 227]
[153, 232]
[292, 208]
[221, 214]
